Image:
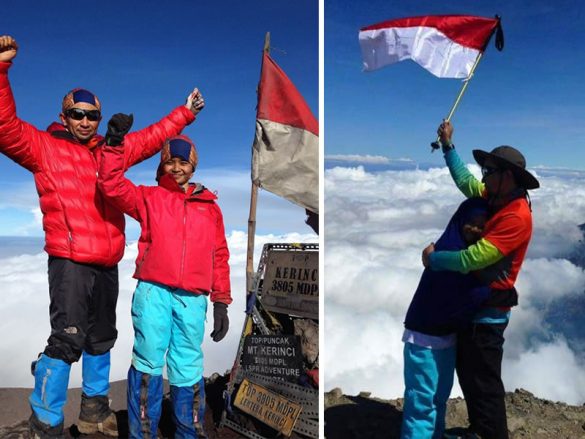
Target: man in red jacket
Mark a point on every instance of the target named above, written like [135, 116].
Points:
[84, 237]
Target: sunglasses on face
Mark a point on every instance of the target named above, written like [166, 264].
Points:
[79, 114]
[486, 171]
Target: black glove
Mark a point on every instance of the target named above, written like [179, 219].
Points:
[221, 323]
[447, 147]
[118, 127]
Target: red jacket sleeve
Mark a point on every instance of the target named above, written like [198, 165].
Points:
[221, 289]
[19, 140]
[143, 144]
[119, 191]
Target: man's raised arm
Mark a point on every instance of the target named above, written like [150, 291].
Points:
[465, 181]
[16, 136]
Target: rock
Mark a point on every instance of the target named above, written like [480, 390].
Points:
[336, 393]
[456, 411]
[15, 431]
[523, 392]
[528, 417]
[214, 376]
[516, 423]
[308, 331]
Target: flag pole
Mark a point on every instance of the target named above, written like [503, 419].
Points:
[252, 215]
[437, 143]
[251, 236]
[249, 266]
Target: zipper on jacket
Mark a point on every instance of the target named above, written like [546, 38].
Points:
[184, 241]
[108, 236]
[106, 221]
[102, 206]
[139, 268]
[68, 225]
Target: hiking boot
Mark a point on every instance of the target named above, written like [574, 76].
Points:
[95, 416]
[40, 430]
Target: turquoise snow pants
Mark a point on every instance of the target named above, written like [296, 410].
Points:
[167, 322]
[170, 322]
[428, 379]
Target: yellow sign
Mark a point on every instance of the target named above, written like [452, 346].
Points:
[267, 406]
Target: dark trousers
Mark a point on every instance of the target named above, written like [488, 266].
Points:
[82, 309]
[479, 369]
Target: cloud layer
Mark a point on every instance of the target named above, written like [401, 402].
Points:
[376, 225]
[24, 314]
[20, 214]
[372, 159]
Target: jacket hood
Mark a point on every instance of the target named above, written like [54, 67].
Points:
[168, 182]
[56, 127]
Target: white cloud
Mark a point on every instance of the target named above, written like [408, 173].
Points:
[535, 367]
[376, 225]
[24, 316]
[356, 158]
[33, 228]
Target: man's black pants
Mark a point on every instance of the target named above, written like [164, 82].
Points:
[82, 310]
[479, 369]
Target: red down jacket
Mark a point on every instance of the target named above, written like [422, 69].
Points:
[78, 222]
[182, 241]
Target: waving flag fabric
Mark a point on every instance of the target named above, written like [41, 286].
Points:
[445, 45]
[285, 159]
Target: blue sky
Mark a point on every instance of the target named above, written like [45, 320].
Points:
[530, 96]
[144, 58]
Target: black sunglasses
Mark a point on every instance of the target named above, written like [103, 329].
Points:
[79, 114]
[487, 171]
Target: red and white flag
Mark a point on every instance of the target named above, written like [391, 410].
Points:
[285, 157]
[445, 45]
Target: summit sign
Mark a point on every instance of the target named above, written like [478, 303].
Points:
[291, 283]
[276, 356]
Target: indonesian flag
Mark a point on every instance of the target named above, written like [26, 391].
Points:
[285, 156]
[445, 45]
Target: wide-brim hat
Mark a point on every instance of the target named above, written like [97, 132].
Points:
[510, 158]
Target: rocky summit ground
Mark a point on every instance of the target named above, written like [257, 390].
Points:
[14, 412]
[365, 417]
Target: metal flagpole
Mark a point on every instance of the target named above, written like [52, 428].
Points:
[437, 143]
[251, 236]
